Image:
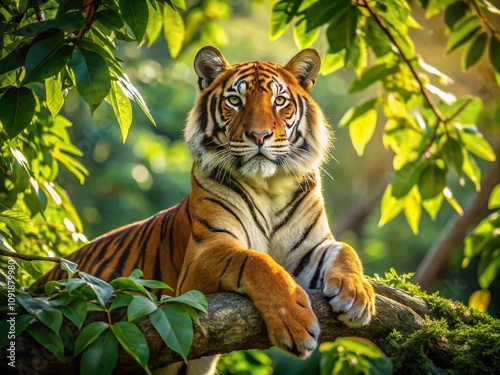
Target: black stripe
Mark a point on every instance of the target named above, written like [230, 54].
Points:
[303, 236]
[221, 204]
[292, 205]
[314, 281]
[203, 114]
[223, 272]
[241, 271]
[211, 228]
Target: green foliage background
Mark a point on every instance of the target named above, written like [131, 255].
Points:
[67, 174]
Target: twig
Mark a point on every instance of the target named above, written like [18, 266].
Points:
[29, 257]
[89, 11]
[423, 90]
[485, 20]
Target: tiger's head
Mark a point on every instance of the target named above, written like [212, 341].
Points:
[256, 119]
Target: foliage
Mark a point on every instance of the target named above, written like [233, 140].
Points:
[41, 313]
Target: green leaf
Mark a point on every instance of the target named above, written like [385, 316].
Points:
[341, 32]
[70, 22]
[453, 156]
[74, 284]
[110, 18]
[332, 62]
[494, 201]
[101, 288]
[140, 306]
[304, 38]
[404, 179]
[463, 111]
[323, 11]
[361, 130]
[133, 341]
[132, 93]
[126, 283]
[48, 339]
[18, 105]
[495, 53]
[474, 51]
[173, 31]
[100, 357]
[474, 141]
[121, 108]
[69, 266]
[174, 326]
[41, 309]
[433, 205]
[432, 181]
[390, 206]
[471, 169]
[379, 42]
[454, 12]
[76, 312]
[155, 24]
[373, 74]
[88, 335]
[105, 52]
[17, 221]
[136, 14]
[121, 301]
[93, 81]
[54, 94]
[46, 58]
[413, 209]
[281, 15]
[193, 298]
[462, 32]
[15, 59]
[21, 322]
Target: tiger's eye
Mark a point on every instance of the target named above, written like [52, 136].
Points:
[279, 100]
[234, 100]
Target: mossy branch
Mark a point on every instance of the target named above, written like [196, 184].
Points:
[233, 323]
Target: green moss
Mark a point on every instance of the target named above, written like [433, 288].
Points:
[456, 338]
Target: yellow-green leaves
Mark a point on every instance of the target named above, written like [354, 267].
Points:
[93, 80]
[18, 106]
[173, 30]
[282, 14]
[122, 108]
[361, 120]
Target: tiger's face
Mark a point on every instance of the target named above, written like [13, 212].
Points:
[256, 119]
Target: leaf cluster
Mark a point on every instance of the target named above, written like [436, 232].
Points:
[41, 312]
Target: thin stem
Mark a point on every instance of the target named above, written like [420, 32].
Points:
[485, 20]
[423, 90]
[29, 257]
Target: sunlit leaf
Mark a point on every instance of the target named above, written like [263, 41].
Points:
[491, 8]
[462, 32]
[332, 62]
[494, 201]
[132, 93]
[18, 105]
[390, 206]
[432, 205]
[480, 300]
[471, 169]
[54, 94]
[405, 178]
[155, 23]
[463, 111]
[173, 30]
[302, 37]
[448, 195]
[474, 141]
[413, 209]
[371, 75]
[281, 15]
[122, 108]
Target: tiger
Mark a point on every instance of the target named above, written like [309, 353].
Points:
[255, 218]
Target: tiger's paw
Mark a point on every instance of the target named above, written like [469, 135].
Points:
[293, 326]
[352, 296]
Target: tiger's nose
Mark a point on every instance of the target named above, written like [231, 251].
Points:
[259, 136]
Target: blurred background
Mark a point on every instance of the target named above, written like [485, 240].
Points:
[150, 171]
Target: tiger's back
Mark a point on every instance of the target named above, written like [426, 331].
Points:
[156, 245]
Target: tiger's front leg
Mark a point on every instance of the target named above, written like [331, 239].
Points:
[347, 291]
[283, 304]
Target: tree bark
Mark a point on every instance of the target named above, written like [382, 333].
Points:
[233, 323]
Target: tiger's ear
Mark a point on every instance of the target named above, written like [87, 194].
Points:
[208, 64]
[305, 66]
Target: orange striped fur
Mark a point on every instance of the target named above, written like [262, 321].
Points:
[254, 221]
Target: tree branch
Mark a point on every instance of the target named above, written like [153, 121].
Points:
[233, 323]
